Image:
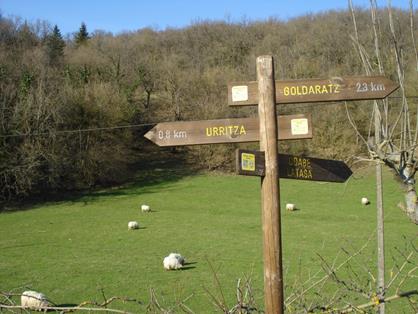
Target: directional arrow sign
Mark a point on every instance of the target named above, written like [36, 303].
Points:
[226, 131]
[251, 163]
[315, 90]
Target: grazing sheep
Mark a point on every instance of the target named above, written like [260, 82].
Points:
[34, 300]
[365, 201]
[145, 208]
[133, 225]
[290, 207]
[173, 261]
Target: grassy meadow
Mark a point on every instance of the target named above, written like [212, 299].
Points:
[72, 249]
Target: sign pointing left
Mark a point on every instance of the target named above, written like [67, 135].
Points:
[182, 133]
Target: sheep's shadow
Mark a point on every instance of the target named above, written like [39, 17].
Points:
[67, 305]
[139, 228]
[187, 266]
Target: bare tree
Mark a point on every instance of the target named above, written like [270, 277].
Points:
[394, 141]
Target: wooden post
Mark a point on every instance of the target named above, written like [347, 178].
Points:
[380, 217]
[270, 198]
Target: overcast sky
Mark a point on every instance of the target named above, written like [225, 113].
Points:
[128, 15]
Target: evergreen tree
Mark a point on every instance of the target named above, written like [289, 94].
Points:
[82, 36]
[55, 46]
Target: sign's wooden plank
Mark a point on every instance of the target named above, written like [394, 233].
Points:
[181, 133]
[315, 90]
[251, 163]
[314, 169]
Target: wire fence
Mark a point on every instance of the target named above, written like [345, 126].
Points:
[118, 127]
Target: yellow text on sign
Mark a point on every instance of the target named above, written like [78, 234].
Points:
[318, 89]
[299, 168]
[227, 130]
[248, 162]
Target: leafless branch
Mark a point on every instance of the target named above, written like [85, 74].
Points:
[65, 309]
[412, 26]
[350, 119]
[219, 302]
[8, 303]
[362, 52]
[294, 296]
[353, 283]
[395, 276]
[374, 302]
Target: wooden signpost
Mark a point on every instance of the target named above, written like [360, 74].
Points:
[315, 90]
[226, 131]
[251, 163]
[268, 129]
[267, 93]
[270, 192]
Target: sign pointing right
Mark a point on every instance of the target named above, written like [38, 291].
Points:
[315, 90]
[251, 163]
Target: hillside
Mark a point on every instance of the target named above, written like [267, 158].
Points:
[60, 100]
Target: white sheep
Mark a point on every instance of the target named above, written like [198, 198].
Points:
[133, 225]
[34, 300]
[365, 201]
[145, 208]
[290, 207]
[173, 261]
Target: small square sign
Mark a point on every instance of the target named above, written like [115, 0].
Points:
[248, 162]
[240, 93]
[299, 126]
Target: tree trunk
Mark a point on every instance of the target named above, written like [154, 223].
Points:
[148, 99]
[411, 202]
[410, 194]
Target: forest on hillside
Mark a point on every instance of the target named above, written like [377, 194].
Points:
[63, 102]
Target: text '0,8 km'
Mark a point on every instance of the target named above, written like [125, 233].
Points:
[182, 133]
[315, 90]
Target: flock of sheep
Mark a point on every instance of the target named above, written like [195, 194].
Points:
[292, 207]
[171, 262]
[38, 301]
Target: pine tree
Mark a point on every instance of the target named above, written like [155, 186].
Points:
[55, 46]
[82, 36]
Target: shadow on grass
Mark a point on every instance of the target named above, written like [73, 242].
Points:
[24, 246]
[67, 305]
[157, 173]
[139, 228]
[156, 170]
[187, 268]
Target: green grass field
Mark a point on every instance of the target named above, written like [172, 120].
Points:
[70, 250]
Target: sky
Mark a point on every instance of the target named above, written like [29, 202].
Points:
[117, 16]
